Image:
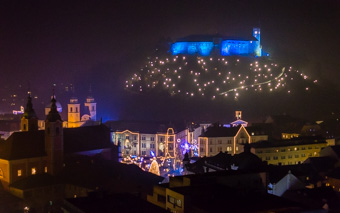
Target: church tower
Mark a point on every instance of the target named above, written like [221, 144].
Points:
[29, 121]
[91, 105]
[73, 113]
[54, 140]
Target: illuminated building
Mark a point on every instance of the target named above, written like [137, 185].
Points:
[75, 119]
[33, 151]
[77, 116]
[226, 46]
[223, 139]
[288, 152]
[143, 139]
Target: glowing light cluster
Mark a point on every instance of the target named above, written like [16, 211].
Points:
[211, 77]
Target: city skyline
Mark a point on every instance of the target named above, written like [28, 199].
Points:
[103, 44]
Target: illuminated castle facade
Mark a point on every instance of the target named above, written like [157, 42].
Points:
[224, 46]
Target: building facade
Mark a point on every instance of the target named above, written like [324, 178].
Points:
[224, 46]
[288, 152]
[223, 139]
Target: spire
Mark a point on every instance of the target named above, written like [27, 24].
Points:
[29, 111]
[53, 115]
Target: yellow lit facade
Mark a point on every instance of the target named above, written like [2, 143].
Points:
[288, 155]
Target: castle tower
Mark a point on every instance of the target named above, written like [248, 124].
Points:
[54, 140]
[29, 121]
[73, 113]
[91, 105]
[257, 35]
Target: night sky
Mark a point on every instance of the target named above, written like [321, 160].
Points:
[101, 43]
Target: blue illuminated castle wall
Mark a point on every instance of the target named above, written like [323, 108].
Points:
[225, 46]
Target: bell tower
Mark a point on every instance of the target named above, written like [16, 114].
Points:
[73, 113]
[29, 121]
[91, 105]
[54, 140]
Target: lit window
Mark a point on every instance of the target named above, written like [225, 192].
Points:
[33, 171]
[45, 169]
[19, 172]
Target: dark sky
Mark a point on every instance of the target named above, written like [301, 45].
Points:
[102, 42]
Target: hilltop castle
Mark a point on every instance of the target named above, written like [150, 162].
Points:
[205, 45]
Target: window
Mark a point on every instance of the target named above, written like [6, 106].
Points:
[303, 155]
[290, 156]
[275, 158]
[33, 171]
[127, 137]
[283, 150]
[76, 109]
[309, 147]
[229, 148]
[135, 137]
[19, 172]
[210, 149]
[283, 157]
[45, 169]
[303, 148]
[179, 203]
[143, 138]
[237, 148]
[143, 145]
[71, 109]
[152, 146]
[161, 139]
[296, 156]
[171, 138]
[201, 149]
[219, 141]
[267, 158]
[210, 142]
[229, 141]
[143, 152]
[171, 147]
[219, 149]
[171, 199]
[152, 139]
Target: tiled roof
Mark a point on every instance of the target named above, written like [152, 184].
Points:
[221, 132]
[32, 144]
[23, 145]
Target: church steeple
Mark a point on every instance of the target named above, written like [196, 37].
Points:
[53, 115]
[29, 120]
[54, 139]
